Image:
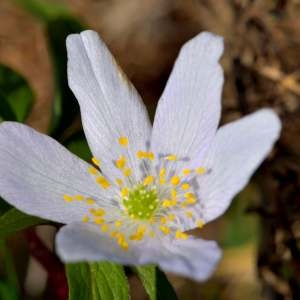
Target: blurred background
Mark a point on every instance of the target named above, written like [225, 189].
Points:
[260, 233]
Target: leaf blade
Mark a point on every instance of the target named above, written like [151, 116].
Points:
[97, 281]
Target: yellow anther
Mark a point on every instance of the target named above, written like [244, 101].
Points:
[139, 234]
[68, 198]
[200, 223]
[186, 172]
[173, 202]
[121, 162]
[90, 201]
[149, 180]
[103, 182]
[123, 141]
[143, 155]
[171, 217]
[95, 161]
[185, 186]
[104, 227]
[124, 192]
[181, 235]
[162, 180]
[152, 234]
[173, 193]
[162, 172]
[99, 212]
[98, 220]
[175, 180]
[171, 157]
[93, 170]
[164, 229]
[163, 220]
[127, 172]
[114, 234]
[200, 170]
[122, 242]
[79, 197]
[191, 200]
[150, 155]
[85, 219]
[189, 214]
[140, 154]
[118, 224]
[166, 203]
[119, 181]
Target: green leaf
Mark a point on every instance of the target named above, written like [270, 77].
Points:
[156, 283]
[65, 106]
[97, 281]
[14, 220]
[78, 145]
[16, 96]
[43, 9]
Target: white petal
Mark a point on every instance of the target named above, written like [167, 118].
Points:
[239, 148]
[110, 106]
[192, 258]
[188, 112]
[36, 171]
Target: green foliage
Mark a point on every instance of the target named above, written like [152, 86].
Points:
[16, 97]
[9, 287]
[44, 10]
[14, 220]
[97, 281]
[78, 145]
[65, 106]
[241, 227]
[156, 283]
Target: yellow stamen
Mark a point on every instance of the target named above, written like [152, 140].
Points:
[175, 180]
[103, 182]
[171, 217]
[139, 234]
[164, 229]
[185, 186]
[152, 234]
[148, 180]
[93, 170]
[173, 193]
[189, 214]
[98, 220]
[118, 224]
[123, 141]
[68, 198]
[99, 212]
[79, 197]
[124, 192]
[85, 219]
[90, 201]
[181, 235]
[200, 223]
[127, 172]
[200, 170]
[119, 181]
[186, 172]
[166, 203]
[163, 220]
[121, 162]
[171, 157]
[95, 161]
[144, 155]
[104, 228]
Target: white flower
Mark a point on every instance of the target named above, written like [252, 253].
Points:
[155, 183]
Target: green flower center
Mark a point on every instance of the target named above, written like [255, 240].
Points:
[141, 202]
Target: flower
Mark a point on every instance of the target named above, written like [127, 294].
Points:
[145, 186]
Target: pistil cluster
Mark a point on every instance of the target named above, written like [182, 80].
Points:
[151, 206]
